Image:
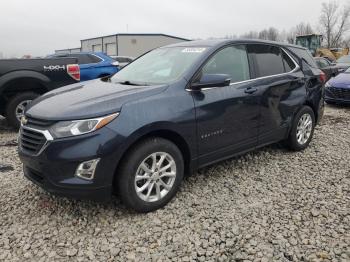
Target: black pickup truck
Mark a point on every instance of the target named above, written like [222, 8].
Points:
[22, 80]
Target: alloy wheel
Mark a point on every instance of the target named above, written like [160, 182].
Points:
[20, 109]
[155, 177]
[304, 128]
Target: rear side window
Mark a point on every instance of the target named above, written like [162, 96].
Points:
[232, 61]
[268, 60]
[94, 59]
[86, 58]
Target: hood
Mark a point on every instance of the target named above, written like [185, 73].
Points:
[341, 80]
[88, 99]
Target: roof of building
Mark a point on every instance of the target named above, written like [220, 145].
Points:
[137, 34]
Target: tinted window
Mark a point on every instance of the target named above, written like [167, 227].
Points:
[82, 58]
[86, 58]
[289, 65]
[94, 59]
[268, 59]
[322, 63]
[232, 61]
[306, 55]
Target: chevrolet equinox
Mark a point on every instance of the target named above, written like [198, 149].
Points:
[169, 112]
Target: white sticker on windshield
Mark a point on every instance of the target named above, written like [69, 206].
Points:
[193, 50]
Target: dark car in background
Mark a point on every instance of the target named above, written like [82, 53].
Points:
[168, 113]
[23, 80]
[327, 67]
[338, 89]
[93, 64]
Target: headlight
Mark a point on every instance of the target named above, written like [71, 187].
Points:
[328, 84]
[80, 127]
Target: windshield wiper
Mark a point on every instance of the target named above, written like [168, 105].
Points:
[129, 83]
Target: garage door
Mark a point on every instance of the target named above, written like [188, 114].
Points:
[111, 49]
[97, 48]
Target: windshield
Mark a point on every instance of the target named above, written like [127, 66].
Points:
[348, 70]
[344, 59]
[159, 66]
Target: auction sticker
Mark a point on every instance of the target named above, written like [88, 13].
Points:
[194, 50]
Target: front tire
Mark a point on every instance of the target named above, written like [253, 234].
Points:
[150, 175]
[302, 130]
[16, 106]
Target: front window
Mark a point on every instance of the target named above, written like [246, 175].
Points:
[160, 66]
[232, 61]
[344, 59]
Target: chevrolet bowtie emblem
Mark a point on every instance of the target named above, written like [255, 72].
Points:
[24, 120]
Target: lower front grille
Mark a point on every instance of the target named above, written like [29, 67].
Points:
[341, 93]
[31, 141]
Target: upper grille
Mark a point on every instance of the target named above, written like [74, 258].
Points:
[342, 93]
[31, 141]
[38, 122]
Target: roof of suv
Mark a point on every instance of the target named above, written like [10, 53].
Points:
[220, 42]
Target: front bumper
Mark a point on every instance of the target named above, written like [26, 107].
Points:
[54, 168]
[337, 95]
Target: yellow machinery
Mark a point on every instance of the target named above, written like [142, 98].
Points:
[313, 43]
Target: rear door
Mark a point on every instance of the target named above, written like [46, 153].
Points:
[281, 87]
[227, 117]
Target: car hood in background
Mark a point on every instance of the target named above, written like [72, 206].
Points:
[86, 100]
[341, 80]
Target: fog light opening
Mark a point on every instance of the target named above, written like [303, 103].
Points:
[86, 170]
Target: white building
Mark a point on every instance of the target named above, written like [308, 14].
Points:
[132, 45]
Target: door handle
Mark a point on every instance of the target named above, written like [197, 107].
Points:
[250, 90]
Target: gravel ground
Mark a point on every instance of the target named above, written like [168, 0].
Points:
[269, 205]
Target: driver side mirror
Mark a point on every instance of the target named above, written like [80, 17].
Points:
[211, 80]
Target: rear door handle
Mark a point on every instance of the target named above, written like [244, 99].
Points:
[250, 90]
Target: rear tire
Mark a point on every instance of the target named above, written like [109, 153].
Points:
[16, 106]
[302, 130]
[159, 183]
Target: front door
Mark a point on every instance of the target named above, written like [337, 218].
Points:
[227, 117]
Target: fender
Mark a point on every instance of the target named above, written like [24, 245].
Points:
[16, 75]
[159, 127]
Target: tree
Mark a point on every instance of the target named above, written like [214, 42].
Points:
[303, 29]
[334, 22]
[269, 34]
[251, 35]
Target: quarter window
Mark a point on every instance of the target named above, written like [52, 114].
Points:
[268, 60]
[232, 61]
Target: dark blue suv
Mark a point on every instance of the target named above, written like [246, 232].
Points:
[168, 113]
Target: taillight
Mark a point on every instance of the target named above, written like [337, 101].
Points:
[323, 77]
[74, 71]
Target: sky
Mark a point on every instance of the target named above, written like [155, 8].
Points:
[38, 27]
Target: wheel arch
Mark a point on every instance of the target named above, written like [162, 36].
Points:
[23, 82]
[168, 134]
